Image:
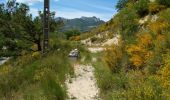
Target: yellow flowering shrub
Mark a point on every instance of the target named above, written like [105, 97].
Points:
[24, 59]
[144, 39]
[113, 57]
[158, 26]
[75, 38]
[155, 7]
[142, 87]
[41, 73]
[139, 53]
[27, 58]
[160, 41]
[36, 54]
[137, 60]
[4, 70]
[34, 47]
[135, 49]
[164, 75]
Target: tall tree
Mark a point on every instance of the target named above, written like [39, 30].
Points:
[19, 30]
[121, 4]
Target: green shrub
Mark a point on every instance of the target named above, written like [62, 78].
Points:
[141, 87]
[52, 89]
[155, 8]
[164, 75]
[113, 57]
[121, 4]
[105, 79]
[126, 24]
[164, 2]
[93, 39]
[142, 7]
[36, 78]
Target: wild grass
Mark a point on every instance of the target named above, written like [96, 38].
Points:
[36, 77]
[131, 85]
[107, 82]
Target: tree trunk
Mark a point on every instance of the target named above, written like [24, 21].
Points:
[39, 46]
[38, 42]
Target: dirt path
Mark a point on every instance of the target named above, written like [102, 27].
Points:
[83, 86]
[96, 49]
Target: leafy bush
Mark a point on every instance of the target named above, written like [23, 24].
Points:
[142, 7]
[35, 77]
[145, 49]
[52, 89]
[155, 8]
[71, 33]
[75, 38]
[108, 82]
[164, 2]
[121, 4]
[140, 52]
[158, 27]
[93, 39]
[143, 89]
[113, 57]
[164, 75]
[126, 24]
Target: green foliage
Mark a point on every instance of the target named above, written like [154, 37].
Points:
[140, 52]
[71, 33]
[121, 4]
[142, 7]
[20, 30]
[113, 58]
[141, 59]
[52, 89]
[143, 89]
[164, 2]
[93, 39]
[1, 40]
[155, 8]
[105, 79]
[35, 77]
[105, 76]
[126, 23]
[83, 24]
[164, 75]
[110, 84]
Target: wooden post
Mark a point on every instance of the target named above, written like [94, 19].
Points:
[46, 26]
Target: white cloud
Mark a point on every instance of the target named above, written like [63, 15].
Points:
[101, 7]
[29, 2]
[73, 13]
[34, 11]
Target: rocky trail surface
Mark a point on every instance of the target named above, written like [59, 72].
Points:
[83, 85]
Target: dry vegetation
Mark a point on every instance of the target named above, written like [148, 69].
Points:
[139, 65]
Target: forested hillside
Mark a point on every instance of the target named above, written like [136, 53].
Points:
[82, 24]
[137, 68]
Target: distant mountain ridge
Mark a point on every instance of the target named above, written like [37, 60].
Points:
[83, 24]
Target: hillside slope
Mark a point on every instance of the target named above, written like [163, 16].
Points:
[83, 24]
[137, 67]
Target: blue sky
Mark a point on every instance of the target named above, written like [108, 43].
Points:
[104, 9]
